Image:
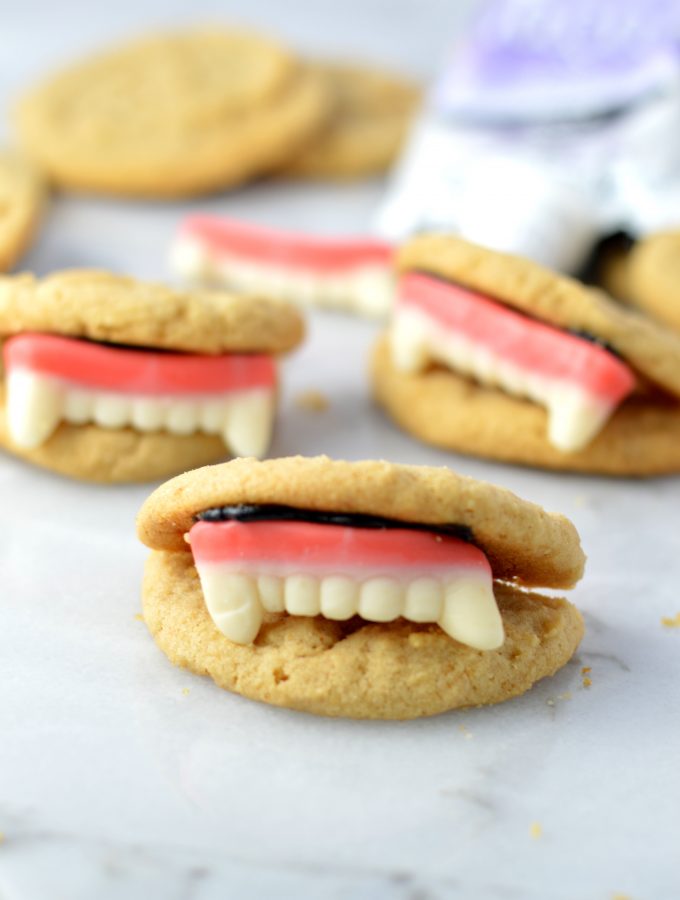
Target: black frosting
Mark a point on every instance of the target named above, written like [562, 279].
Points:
[272, 513]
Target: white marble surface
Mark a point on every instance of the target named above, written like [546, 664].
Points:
[123, 778]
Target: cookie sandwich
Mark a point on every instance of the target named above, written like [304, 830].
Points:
[361, 589]
[22, 200]
[354, 275]
[370, 114]
[109, 379]
[493, 355]
[173, 115]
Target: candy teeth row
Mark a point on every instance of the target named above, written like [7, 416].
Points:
[464, 606]
[575, 417]
[36, 404]
[368, 289]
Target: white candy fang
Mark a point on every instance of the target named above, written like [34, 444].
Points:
[247, 428]
[34, 408]
[471, 615]
[464, 606]
[234, 604]
[574, 416]
[366, 289]
[36, 404]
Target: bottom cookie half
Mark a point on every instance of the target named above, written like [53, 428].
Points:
[110, 455]
[361, 670]
[447, 410]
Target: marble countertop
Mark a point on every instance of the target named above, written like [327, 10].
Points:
[123, 777]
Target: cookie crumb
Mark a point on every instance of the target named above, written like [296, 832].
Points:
[587, 682]
[2, 837]
[671, 621]
[565, 696]
[185, 691]
[586, 670]
[312, 401]
[536, 830]
[550, 701]
[621, 897]
[139, 617]
[466, 734]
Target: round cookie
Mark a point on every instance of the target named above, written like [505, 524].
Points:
[363, 670]
[445, 409]
[113, 308]
[172, 115]
[653, 271]
[522, 541]
[371, 115]
[552, 298]
[22, 198]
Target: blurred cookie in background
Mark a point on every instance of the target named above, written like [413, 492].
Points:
[372, 113]
[173, 115]
[654, 277]
[22, 198]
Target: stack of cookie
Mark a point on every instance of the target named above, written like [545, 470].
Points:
[194, 112]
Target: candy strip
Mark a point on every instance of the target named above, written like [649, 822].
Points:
[50, 379]
[334, 272]
[579, 382]
[140, 371]
[336, 571]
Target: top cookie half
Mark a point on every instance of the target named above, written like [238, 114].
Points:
[552, 298]
[172, 115]
[101, 306]
[523, 542]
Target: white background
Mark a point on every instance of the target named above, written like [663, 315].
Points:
[122, 777]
